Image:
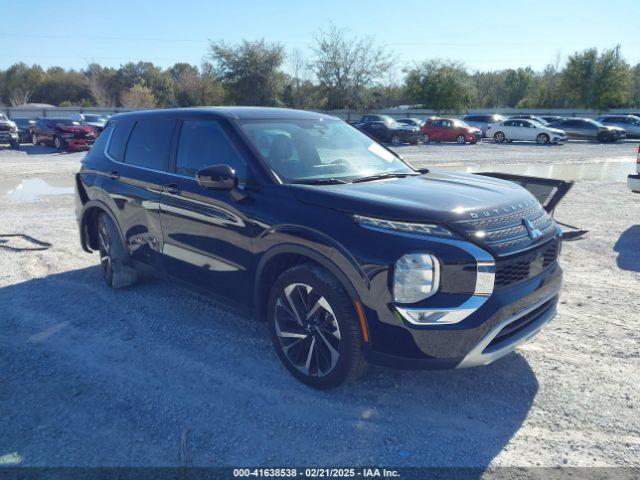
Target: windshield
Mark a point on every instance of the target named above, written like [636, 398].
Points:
[299, 150]
[2, 116]
[66, 122]
[94, 118]
[23, 122]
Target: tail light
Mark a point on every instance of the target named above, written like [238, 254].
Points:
[638, 157]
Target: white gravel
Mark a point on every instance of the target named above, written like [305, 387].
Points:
[94, 377]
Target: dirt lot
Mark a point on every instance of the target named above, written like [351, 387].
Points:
[90, 376]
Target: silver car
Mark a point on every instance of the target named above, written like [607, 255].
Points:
[630, 123]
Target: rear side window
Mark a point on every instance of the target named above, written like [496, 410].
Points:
[204, 143]
[118, 140]
[150, 143]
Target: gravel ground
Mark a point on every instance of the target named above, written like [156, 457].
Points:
[94, 377]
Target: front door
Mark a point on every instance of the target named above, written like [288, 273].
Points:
[207, 234]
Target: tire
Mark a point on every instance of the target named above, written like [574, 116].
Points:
[114, 259]
[461, 140]
[426, 138]
[605, 138]
[542, 139]
[15, 145]
[323, 349]
[499, 137]
[58, 143]
[396, 140]
[34, 139]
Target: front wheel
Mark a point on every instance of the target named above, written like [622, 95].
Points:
[542, 139]
[15, 144]
[460, 139]
[426, 138]
[58, 143]
[499, 137]
[34, 139]
[314, 327]
[396, 140]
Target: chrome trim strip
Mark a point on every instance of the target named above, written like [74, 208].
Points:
[485, 280]
[478, 356]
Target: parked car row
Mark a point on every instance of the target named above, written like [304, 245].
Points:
[523, 127]
[77, 132]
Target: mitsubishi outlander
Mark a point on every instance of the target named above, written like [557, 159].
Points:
[348, 253]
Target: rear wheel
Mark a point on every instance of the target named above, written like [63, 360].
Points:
[499, 137]
[114, 259]
[542, 138]
[460, 139]
[314, 327]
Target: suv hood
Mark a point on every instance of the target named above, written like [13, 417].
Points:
[487, 210]
[431, 197]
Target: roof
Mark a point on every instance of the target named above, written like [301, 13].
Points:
[237, 113]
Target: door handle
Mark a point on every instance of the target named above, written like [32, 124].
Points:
[171, 188]
[113, 175]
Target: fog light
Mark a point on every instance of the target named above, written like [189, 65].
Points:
[416, 276]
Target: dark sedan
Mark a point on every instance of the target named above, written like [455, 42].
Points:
[588, 129]
[391, 132]
[413, 122]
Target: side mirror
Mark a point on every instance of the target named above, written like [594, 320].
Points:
[217, 177]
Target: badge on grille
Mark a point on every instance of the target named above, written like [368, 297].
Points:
[533, 232]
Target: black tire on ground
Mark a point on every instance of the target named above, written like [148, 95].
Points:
[15, 145]
[426, 138]
[499, 137]
[307, 308]
[58, 143]
[396, 140]
[34, 139]
[461, 140]
[542, 138]
[114, 258]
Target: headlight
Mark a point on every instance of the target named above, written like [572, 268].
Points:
[416, 276]
[420, 228]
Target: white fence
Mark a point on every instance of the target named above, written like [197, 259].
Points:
[349, 115]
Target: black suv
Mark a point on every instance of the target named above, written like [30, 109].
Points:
[348, 253]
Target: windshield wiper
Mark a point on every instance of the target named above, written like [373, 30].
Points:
[320, 181]
[383, 175]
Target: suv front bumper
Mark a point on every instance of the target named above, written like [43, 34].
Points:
[510, 317]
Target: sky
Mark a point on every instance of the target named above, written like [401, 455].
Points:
[483, 34]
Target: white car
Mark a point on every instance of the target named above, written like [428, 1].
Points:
[633, 181]
[521, 129]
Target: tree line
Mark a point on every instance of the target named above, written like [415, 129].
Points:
[341, 71]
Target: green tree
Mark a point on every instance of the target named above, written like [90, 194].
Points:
[20, 83]
[249, 71]
[517, 84]
[442, 85]
[139, 96]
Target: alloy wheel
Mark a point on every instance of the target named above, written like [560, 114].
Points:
[105, 250]
[396, 140]
[34, 139]
[57, 143]
[307, 330]
[460, 139]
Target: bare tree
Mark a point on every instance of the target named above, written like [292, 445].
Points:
[346, 66]
[19, 96]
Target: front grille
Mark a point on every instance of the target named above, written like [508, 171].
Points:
[521, 323]
[523, 266]
[506, 234]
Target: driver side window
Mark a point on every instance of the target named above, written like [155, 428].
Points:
[204, 143]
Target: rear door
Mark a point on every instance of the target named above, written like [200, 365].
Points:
[207, 234]
[139, 152]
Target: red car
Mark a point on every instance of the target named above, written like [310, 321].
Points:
[62, 133]
[449, 130]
